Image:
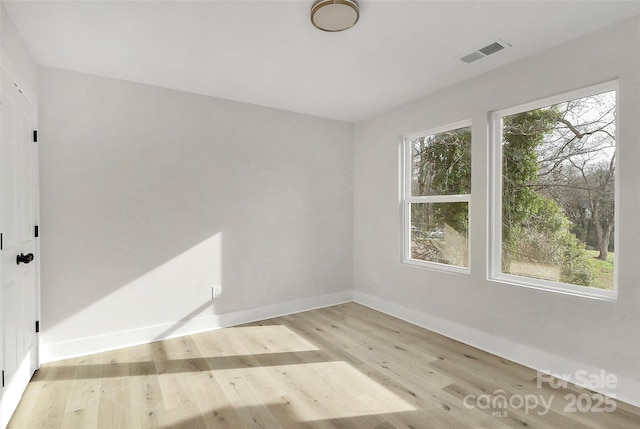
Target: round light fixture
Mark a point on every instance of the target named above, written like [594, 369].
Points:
[335, 15]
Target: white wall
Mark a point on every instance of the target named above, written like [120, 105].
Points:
[151, 196]
[543, 330]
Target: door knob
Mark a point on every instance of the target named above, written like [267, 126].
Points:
[25, 259]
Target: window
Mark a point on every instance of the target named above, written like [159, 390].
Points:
[436, 194]
[554, 193]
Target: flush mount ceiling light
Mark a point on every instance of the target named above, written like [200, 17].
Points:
[335, 15]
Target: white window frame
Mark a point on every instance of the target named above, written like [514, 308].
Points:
[407, 199]
[495, 207]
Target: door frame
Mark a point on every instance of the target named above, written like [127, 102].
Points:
[9, 404]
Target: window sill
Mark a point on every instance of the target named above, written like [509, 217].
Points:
[562, 288]
[435, 266]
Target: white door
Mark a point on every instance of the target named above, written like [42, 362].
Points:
[19, 254]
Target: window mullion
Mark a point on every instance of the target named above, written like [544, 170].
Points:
[440, 199]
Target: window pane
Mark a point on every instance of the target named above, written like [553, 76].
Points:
[439, 232]
[441, 163]
[558, 192]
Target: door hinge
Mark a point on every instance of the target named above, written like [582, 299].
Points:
[35, 136]
[36, 231]
[1, 243]
[3, 378]
[37, 326]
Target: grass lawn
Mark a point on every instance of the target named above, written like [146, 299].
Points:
[603, 270]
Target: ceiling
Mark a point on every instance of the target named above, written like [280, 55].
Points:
[268, 53]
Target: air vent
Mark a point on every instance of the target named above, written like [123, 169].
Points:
[491, 48]
[473, 56]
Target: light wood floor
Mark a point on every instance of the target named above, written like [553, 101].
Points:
[340, 367]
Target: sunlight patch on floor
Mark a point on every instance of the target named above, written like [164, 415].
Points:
[252, 340]
[308, 392]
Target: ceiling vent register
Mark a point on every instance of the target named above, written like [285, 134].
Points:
[484, 52]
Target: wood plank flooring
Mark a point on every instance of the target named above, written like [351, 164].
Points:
[345, 366]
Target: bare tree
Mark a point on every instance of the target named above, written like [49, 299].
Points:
[577, 164]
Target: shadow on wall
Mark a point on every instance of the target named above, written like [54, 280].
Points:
[150, 197]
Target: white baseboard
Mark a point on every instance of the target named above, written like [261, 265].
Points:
[50, 352]
[626, 389]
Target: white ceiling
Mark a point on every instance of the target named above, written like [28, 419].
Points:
[268, 53]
